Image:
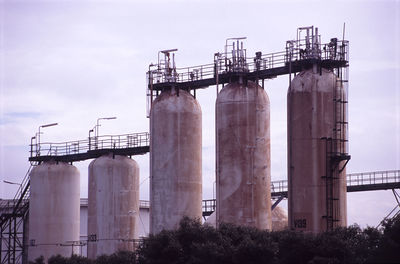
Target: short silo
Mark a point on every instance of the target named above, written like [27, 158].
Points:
[317, 187]
[53, 210]
[113, 205]
[243, 155]
[175, 159]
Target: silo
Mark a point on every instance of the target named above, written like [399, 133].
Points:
[243, 156]
[316, 146]
[113, 205]
[175, 159]
[53, 210]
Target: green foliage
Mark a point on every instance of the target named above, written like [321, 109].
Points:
[120, 257]
[75, 259]
[39, 260]
[388, 249]
[194, 243]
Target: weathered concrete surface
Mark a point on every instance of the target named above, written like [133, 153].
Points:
[175, 160]
[113, 204]
[53, 210]
[243, 156]
[310, 118]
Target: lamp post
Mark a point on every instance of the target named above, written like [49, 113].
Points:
[10, 182]
[96, 128]
[38, 136]
[14, 183]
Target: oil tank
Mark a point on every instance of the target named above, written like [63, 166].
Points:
[175, 159]
[113, 205]
[243, 156]
[53, 210]
[317, 188]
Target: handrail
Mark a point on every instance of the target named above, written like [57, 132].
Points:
[93, 143]
[339, 51]
[352, 179]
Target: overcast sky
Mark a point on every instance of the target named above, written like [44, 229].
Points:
[72, 62]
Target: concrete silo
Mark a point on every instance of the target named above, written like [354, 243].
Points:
[175, 159]
[113, 205]
[317, 146]
[243, 155]
[53, 210]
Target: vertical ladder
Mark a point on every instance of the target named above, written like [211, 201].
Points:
[336, 149]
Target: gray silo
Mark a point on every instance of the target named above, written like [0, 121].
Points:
[113, 205]
[316, 141]
[53, 210]
[175, 159]
[243, 155]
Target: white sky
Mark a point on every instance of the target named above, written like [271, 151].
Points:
[74, 61]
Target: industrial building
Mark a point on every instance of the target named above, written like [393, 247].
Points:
[113, 218]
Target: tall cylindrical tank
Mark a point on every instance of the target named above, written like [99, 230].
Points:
[113, 205]
[53, 210]
[243, 156]
[317, 188]
[175, 160]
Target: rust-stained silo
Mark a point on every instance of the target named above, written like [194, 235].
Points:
[243, 155]
[317, 149]
[113, 205]
[175, 159]
[53, 210]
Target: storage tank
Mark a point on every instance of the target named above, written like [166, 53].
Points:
[243, 156]
[113, 205]
[53, 210]
[317, 187]
[175, 159]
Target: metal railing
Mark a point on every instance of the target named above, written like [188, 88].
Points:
[92, 143]
[279, 186]
[353, 179]
[374, 177]
[224, 63]
[209, 206]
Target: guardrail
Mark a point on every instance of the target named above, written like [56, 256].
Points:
[335, 50]
[374, 177]
[93, 143]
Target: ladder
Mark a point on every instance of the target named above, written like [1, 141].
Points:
[336, 149]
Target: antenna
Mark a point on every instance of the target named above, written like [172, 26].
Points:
[344, 29]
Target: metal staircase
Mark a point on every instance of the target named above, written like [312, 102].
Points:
[14, 225]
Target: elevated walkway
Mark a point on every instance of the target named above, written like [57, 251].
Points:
[91, 148]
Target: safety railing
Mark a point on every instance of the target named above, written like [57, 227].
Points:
[279, 186]
[209, 205]
[353, 179]
[92, 143]
[298, 50]
[375, 177]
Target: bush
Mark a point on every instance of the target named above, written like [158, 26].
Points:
[194, 243]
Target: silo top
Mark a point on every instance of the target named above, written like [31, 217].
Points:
[308, 81]
[52, 167]
[171, 101]
[117, 160]
[238, 92]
